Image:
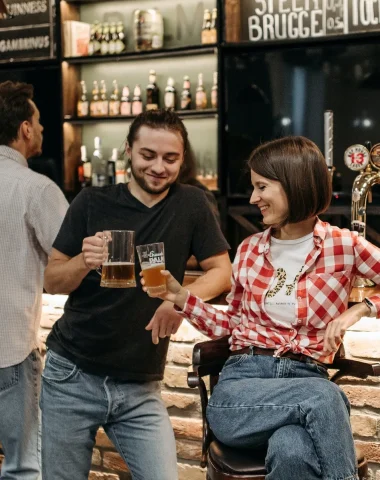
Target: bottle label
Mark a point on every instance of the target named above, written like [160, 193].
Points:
[87, 169]
[136, 108]
[103, 107]
[94, 109]
[115, 107]
[104, 48]
[170, 100]
[186, 103]
[82, 109]
[214, 99]
[151, 106]
[119, 46]
[125, 108]
[112, 47]
[201, 100]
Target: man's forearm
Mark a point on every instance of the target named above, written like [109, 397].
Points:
[65, 276]
[214, 282]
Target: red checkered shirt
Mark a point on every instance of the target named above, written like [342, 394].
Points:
[323, 291]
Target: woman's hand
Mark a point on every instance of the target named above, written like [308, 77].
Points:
[175, 293]
[337, 328]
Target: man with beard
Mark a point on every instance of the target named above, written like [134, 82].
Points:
[107, 352]
[32, 208]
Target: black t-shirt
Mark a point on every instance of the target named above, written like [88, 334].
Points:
[103, 329]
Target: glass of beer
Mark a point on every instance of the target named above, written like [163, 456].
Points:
[118, 271]
[152, 261]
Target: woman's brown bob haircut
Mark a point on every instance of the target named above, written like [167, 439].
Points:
[298, 164]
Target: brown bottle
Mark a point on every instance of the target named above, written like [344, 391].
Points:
[186, 94]
[152, 92]
[82, 105]
[95, 100]
[205, 35]
[200, 95]
[213, 35]
[114, 103]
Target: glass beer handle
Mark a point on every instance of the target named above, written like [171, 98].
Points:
[99, 270]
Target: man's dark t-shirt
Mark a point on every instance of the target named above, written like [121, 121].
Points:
[103, 329]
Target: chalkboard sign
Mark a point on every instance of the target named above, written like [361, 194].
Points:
[270, 20]
[28, 32]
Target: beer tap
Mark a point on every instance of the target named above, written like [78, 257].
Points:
[328, 137]
[366, 160]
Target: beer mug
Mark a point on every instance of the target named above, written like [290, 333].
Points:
[152, 260]
[118, 271]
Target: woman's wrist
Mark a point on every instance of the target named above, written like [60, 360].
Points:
[181, 297]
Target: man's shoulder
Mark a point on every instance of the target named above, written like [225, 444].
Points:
[189, 192]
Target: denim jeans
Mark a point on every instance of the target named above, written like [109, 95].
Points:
[291, 406]
[75, 404]
[19, 419]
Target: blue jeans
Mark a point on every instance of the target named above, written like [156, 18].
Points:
[291, 406]
[19, 419]
[75, 404]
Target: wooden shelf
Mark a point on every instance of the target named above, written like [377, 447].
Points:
[151, 54]
[207, 113]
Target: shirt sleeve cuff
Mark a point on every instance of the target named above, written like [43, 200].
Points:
[185, 311]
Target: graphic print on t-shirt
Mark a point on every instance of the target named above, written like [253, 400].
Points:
[288, 259]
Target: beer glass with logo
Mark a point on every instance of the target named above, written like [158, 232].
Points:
[152, 261]
[118, 271]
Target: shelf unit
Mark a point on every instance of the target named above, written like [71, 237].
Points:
[185, 58]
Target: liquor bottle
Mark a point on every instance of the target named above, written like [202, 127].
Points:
[137, 106]
[213, 35]
[113, 39]
[95, 100]
[121, 166]
[105, 40]
[104, 110]
[120, 41]
[84, 169]
[111, 167]
[114, 104]
[97, 37]
[200, 95]
[125, 102]
[186, 94]
[214, 91]
[152, 92]
[91, 43]
[99, 165]
[82, 105]
[205, 35]
[170, 95]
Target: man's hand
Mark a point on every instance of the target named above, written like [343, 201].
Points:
[94, 250]
[165, 321]
[337, 328]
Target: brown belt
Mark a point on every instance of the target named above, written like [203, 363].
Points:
[269, 352]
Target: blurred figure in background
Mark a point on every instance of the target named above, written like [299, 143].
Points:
[32, 208]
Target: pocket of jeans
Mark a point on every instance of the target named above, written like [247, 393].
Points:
[58, 369]
[235, 360]
[9, 377]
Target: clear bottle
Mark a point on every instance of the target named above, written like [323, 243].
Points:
[97, 37]
[84, 169]
[114, 103]
[113, 39]
[186, 94]
[95, 100]
[120, 41]
[125, 102]
[137, 105]
[99, 165]
[214, 91]
[111, 167]
[82, 104]
[104, 104]
[213, 33]
[105, 40]
[91, 44]
[121, 166]
[205, 35]
[200, 95]
[170, 95]
[152, 92]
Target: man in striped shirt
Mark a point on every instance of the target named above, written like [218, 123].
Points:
[32, 208]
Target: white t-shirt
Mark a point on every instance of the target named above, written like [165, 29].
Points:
[288, 259]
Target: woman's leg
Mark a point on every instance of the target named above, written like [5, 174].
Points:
[245, 412]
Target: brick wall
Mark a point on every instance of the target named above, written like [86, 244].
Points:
[362, 341]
